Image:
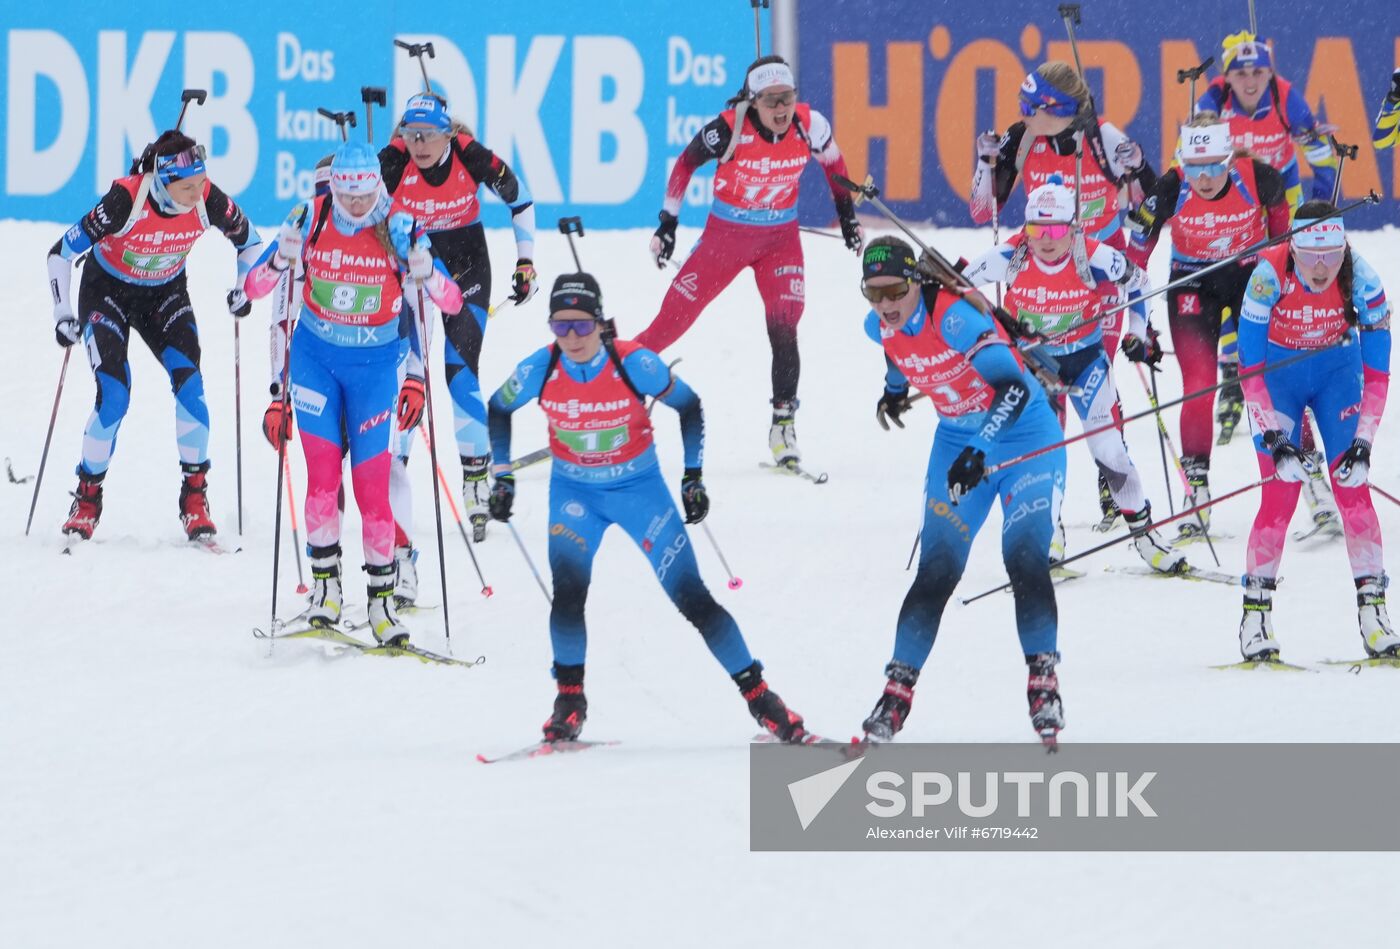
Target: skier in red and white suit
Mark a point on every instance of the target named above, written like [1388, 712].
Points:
[753, 223]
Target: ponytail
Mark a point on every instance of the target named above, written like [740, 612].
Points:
[170, 142]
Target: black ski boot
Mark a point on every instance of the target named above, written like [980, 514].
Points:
[1230, 406]
[1043, 694]
[889, 713]
[766, 708]
[570, 705]
[1107, 507]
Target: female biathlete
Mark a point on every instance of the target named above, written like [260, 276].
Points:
[139, 235]
[1057, 282]
[434, 169]
[605, 472]
[762, 143]
[1315, 293]
[346, 354]
[1219, 204]
[990, 411]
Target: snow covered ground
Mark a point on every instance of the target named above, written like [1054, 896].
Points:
[166, 783]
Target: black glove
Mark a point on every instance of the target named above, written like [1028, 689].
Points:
[1354, 467]
[851, 230]
[67, 331]
[890, 407]
[663, 242]
[694, 498]
[1149, 352]
[238, 303]
[502, 497]
[1289, 460]
[967, 472]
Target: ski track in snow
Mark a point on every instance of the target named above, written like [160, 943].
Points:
[166, 782]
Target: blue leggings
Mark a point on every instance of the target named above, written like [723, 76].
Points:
[641, 505]
[1030, 495]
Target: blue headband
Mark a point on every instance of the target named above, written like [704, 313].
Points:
[184, 164]
[1038, 93]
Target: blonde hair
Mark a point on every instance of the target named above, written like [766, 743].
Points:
[1063, 77]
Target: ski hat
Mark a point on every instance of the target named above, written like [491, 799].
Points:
[427, 108]
[576, 291]
[1243, 50]
[767, 76]
[1320, 236]
[355, 169]
[1037, 92]
[890, 257]
[1207, 141]
[1051, 203]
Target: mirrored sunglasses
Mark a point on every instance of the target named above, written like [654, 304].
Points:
[562, 328]
[420, 134]
[1308, 258]
[893, 291]
[182, 164]
[1052, 231]
[1061, 110]
[1206, 171]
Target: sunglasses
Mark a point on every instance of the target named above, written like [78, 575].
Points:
[1206, 171]
[182, 164]
[1052, 231]
[1061, 110]
[893, 291]
[1331, 257]
[774, 99]
[579, 327]
[420, 135]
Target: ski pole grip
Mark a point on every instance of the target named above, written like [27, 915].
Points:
[571, 225]
[1070, 11]
[198, 95]
[374, 94]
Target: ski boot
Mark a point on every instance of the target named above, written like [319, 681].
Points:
[1057, 545]
[194, 504]
[406, 583]
[1107, 506]
[325, 598]
[1198, 479]
[766, 708]
[1043, 695]
[1326, 520]
[1257, 643]
[475, 494]
[383, 615]
[570, 705]
[888, 716]
[1154, 551]
[87, 506]
[1376, 631]
[1231, 404]
[782, 434]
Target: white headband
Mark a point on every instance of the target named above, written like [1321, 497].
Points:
[1210, 141]
[1323, 234]
[769, 75]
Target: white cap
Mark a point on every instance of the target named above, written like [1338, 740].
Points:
[769, 75]
[1051, 203]
[1207, 141]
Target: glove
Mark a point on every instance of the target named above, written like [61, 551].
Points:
[1394, 95]
[851, 230]
[890, 407]
[238, 302]
[1147, 351]
[288, 245]
[420, 263]
[663, 242]
[967, 472]
[1129, 155]
[277, 423]
[988, 147]
[524, 281]
[502, 497]
[1289, 460]
[65, 325]
[1354, 468]
[411, 399]
[693, 497]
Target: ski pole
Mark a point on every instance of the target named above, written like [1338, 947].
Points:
[486, 589]
[1269, 367]
[292, 516]
[188, 95]
[1384, 493]
[1069, 12]
[1195, 511]
[417, 51]
[1253, 23]
[372, 96]
[996, 231]
[820, 232]
[569, 226]
[238, 419]
[1184, 76]
[48, 438]
[1344, 152]
[757, 28]
[290, 278]
[432, 454]
[341, 119]
[734, 582]
[529, 562]
[1164, 439]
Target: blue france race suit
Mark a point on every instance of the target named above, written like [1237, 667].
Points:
[959, 335]
[585, 498]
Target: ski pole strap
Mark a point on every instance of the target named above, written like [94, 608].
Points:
[1188, 512]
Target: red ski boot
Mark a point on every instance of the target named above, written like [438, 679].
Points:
[570, 705]
[194, 505]
[87, 506]
[767, 709]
